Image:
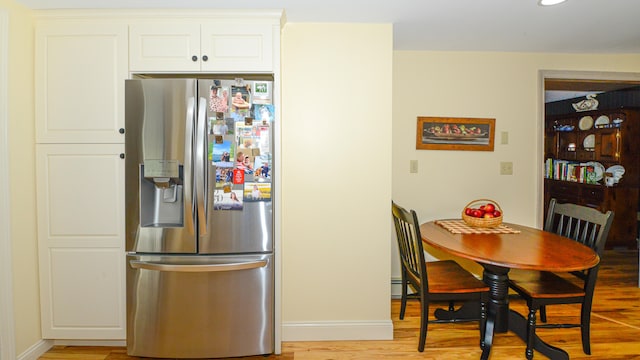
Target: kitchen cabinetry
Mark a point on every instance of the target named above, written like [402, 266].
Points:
[82, 58]
[80, 194]
[80, 70]
[606, 137]
[80, 67]
[213, 46]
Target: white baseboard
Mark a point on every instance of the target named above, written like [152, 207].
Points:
[90, 342]
[36, 350]
[337, 330]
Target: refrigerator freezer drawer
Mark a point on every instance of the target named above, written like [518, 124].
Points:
[199, 306]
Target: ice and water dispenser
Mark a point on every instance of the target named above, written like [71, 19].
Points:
[161, 196]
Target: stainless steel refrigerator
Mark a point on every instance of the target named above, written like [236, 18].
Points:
[199, 225]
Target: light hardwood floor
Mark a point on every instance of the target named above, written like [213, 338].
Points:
[615, 330]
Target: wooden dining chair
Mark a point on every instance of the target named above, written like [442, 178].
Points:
[433, 281]
[541, 288]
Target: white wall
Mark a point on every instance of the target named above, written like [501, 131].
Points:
[336, 181]
[22, 177]
[504, 86]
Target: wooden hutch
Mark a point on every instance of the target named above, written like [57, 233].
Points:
[606, 137]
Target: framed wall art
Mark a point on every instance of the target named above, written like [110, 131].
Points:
[445, 133]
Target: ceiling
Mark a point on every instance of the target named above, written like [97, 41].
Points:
[577, 26]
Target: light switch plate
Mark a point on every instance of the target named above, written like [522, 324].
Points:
[413, 166]
[504, 138]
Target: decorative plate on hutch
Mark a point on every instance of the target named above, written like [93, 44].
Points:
[589, 142]
[586, 122]
[598, 169]
[602, 120]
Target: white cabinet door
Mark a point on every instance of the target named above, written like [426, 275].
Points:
[81, 240]
[80, 69]
[221, 46]
[164, 47]
[237, 47]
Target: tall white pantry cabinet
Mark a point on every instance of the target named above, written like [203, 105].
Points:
[82, 60]
[80, 68]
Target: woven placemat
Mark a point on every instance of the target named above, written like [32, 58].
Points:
[458, 226]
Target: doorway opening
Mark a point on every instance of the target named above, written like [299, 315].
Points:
[560, 91]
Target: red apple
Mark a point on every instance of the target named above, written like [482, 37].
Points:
[496, 213]
[488, 215]
[489, 208]
[468, 211]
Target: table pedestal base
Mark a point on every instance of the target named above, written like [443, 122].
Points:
[470, 310]
[499, 318]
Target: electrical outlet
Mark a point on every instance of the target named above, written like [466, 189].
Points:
[506, 168]
[413, 166]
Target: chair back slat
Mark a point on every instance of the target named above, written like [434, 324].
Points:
[585, 225]
[410, 243]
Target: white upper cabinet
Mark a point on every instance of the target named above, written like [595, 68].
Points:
[164, 47]
[210, 46]
[234, 48]
[80, 68]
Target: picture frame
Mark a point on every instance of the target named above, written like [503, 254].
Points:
[449, 133]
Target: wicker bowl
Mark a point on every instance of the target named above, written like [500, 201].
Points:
[482, 222]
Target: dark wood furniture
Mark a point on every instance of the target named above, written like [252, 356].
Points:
[435, 281]
[531, 249]
[541, 288]
[613, 145]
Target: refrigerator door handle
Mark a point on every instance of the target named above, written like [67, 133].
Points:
[136, 264]
[188, 166]
[200, 165]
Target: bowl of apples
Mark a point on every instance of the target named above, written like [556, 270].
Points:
[484, 213]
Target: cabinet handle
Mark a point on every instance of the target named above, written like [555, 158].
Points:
[205, 58]
[121, 155]
[121, 131]
[194, 58]
[617, 154]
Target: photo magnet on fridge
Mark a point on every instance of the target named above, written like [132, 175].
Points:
[227, 200]
[238, 176]
[263, 112]
[257, 191]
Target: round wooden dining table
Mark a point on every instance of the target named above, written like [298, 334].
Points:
[518, 247]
